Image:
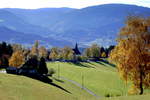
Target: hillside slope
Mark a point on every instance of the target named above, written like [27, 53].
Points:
[14, 87]
[99, 77]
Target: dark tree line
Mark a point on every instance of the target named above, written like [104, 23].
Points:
[5, 53]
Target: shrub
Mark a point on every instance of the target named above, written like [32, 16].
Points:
[51, 71]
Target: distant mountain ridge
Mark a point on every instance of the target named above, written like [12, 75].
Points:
[27, 40]
[96, 24]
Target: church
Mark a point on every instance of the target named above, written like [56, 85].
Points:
[76, 50]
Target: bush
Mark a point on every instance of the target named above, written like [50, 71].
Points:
[51, 71]
[108, 95]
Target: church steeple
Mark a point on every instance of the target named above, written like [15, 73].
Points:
[76, 47]
[76, 50]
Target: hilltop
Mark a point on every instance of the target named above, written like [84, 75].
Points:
[88, 25]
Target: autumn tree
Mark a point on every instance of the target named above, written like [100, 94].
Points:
[17, 47]
[26, 53]
[93, 52]
[103, 54]
[132, 54]
[87, 52]
[43, 52]
[17, 59]
[67, 53]
[54, 53]
[35, 49]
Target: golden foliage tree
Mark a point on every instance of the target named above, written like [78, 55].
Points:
[67, 53]
[17, 47]
[43, 52]
[35, 49]
[103, 54]
[17, 59]
[132, 54]
[54, 54]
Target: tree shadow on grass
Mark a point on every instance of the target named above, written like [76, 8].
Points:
[81, 65]
[47, 80]
[106, 62]
[60, 87]
[58, 80]
[98, 63]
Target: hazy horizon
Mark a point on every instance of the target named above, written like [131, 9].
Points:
[35, 4]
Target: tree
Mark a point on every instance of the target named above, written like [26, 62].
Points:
[9, 50]
[87, 52]
[31, 63]
[43, 52]
[67, 53]
[109, 49]
[26, 53]
[42, 66]
[132, 54]
[35, 49]
[5, 53]
[17, 59]
[54, 54]
[95, 51]
[17, 47]
[103, 54]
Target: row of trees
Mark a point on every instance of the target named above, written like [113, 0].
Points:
[16, 54]
[6, 51]
[95, 51]
[65, 53]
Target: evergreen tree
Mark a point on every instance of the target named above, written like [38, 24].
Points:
[42, 66]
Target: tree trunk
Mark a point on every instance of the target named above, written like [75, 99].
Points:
[141, 82]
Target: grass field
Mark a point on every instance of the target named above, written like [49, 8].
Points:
[14, 87]
[135, 97]
[101, 78]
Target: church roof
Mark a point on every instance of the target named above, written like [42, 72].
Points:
[76, 50]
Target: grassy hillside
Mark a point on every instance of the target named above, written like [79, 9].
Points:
[136, 97]
[101, 78]
[14, 87]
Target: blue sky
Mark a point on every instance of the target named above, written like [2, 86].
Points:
[33, 4]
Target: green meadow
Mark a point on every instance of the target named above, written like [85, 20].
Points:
[99, 77]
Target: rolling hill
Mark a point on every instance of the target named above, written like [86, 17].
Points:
[99, 77]
[27, 40]
[88, 25]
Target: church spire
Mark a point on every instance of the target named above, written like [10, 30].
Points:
[76, 50]
[76, 47]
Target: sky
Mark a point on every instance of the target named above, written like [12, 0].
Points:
[33, 4]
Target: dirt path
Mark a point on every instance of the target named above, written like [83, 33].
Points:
[79, 85]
